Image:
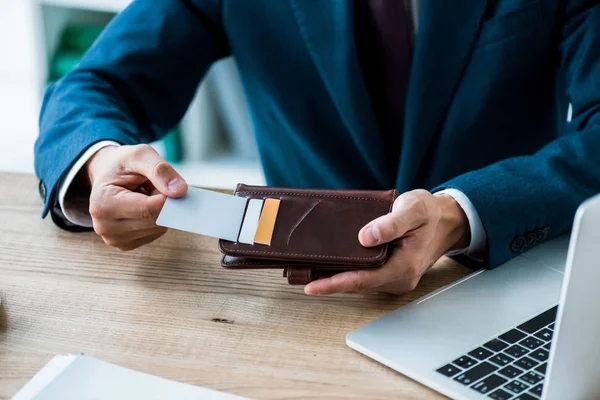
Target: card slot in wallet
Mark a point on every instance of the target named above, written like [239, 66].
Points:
[315, 229]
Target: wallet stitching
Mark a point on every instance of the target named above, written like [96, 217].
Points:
[266, 253]
[314, 195]
[251, 263]
[233, 251]
[286, 266]
[247, 263]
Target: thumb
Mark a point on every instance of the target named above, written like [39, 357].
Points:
[381, 230]
[390, 227]
[146, 161]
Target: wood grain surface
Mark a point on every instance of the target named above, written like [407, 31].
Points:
[169, 309]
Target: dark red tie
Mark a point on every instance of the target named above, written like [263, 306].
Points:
[383, 40]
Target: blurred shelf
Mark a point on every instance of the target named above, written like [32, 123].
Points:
[113, 6]
[223, 172]
[219, 158]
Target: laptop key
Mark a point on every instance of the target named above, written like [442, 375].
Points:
[489, 383]
[531, 343]
[525, 396]
[501, 359]
[531, 377]
[516, 387]
[516, 351]
[539, 322]
[526, 363]
[540, 354]
[449, 370]
[542, 368]
[480, 353]
[475, 373]
[500, 395]
[511, 371]
[551, 326]
[512, 336]
[537, 390]
[545, 334]
[547, 346]
[496, 345]
[464, 362]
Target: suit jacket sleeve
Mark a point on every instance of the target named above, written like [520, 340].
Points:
[535, 197]
[132, 86]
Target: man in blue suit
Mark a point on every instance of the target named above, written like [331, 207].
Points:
[461, 105]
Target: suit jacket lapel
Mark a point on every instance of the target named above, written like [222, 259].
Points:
[327, 27]
[447, 32]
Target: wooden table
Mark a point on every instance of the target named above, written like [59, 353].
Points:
[169, 309]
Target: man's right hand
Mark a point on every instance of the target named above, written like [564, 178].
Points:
[130, 185]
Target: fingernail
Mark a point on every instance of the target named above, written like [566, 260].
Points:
[309, 292]
[369, 237]
[176, 184]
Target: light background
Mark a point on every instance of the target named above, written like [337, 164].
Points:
[218, 141]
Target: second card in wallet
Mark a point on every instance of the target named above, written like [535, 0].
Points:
[206, 213]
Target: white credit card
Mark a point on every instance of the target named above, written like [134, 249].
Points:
[251, 221]
[206, 213]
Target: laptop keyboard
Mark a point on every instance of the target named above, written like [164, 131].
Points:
[511, 366]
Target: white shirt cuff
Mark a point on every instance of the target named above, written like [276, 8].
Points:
[477, 246]
[73, 202]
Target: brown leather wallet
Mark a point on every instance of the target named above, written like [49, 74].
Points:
[315, 234]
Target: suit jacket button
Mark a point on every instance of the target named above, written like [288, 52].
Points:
[539, 235]
[518, 243]
[42, 190]
[546, 231]
[530, 239]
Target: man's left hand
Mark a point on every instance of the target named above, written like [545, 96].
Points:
[422, 227]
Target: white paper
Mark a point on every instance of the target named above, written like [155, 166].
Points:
[206, 213]
[46, 375]
[86, 378]
[251, 221]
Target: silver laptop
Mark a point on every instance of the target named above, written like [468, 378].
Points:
[529, 329]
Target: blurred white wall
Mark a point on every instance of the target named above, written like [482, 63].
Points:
[20, 83]
[218, 140]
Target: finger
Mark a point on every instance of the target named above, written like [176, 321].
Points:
[113, 209]
[141, 242]
[145, 161]
[117, 227]
[146, 188]
[132, 205]
[149, 187]
[363, 281]
[399, 274]
[125, 237]
[122, 227]
[408, 214]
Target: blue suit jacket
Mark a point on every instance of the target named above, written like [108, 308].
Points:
[486, 108]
